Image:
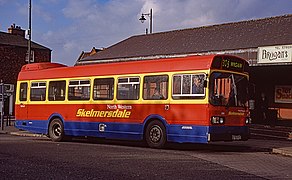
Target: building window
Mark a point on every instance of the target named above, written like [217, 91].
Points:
[23, 92]
[38, 91]
[103, 89]
[57, 90]
[155, 87]
[128, 88]
[188, 86]
[79, 90]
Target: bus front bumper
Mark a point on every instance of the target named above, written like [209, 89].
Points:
[228, 133]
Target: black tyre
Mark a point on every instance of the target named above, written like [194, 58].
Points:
[56, 130]
[155, 134]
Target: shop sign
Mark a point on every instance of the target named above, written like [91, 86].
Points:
[283, 94]
[275, 54]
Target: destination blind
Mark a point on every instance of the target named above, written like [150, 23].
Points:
[229, 63]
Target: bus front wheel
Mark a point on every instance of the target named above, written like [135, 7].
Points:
[155, 134]
[56, 130]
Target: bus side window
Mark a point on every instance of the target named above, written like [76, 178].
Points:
[38, 91]
[128, 88]
[57, 90]
[23, 92]
[176, 85]
[79, 90]
[103, 89]
[188, 86]
[155, 87]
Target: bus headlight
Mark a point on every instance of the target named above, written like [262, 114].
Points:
[217, 120]
[247, 120]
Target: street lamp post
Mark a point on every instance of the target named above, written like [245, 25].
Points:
[2, 104]
[143, 19]
[29, 32]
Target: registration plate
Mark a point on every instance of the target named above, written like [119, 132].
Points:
[236, 137]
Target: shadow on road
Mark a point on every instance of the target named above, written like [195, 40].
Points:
[212, 147]
[222, 147]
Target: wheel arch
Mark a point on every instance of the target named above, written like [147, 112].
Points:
[151, 118]
[54, 116]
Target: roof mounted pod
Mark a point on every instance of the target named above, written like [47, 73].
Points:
[41, 66]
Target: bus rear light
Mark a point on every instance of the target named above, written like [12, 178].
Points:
[217, 120]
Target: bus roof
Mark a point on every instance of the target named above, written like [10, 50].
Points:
[54, 70]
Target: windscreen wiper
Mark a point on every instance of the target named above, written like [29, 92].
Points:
[234, 89]
[233, 92]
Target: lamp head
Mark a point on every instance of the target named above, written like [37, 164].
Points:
[142, 19]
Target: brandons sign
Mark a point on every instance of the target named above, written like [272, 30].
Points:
[275, 54]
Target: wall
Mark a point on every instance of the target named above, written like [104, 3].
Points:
[12, 58]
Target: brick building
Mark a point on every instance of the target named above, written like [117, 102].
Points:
[265, 43]
[86, 54]
[13, 51]
[13, 55]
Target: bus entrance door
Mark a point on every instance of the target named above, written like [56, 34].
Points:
[21, 106]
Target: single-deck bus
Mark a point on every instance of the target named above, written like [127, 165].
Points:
[192, 99]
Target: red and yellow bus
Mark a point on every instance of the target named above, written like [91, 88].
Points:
[192, 99]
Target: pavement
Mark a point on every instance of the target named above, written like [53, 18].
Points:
[14, 131]
[283, 147]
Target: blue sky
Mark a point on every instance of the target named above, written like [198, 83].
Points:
[69, 27]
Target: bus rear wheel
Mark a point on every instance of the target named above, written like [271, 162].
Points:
[155, 134]
[56, 130]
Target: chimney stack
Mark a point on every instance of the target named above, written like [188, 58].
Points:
[16, 30]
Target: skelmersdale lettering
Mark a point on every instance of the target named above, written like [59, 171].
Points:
[109, 114]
